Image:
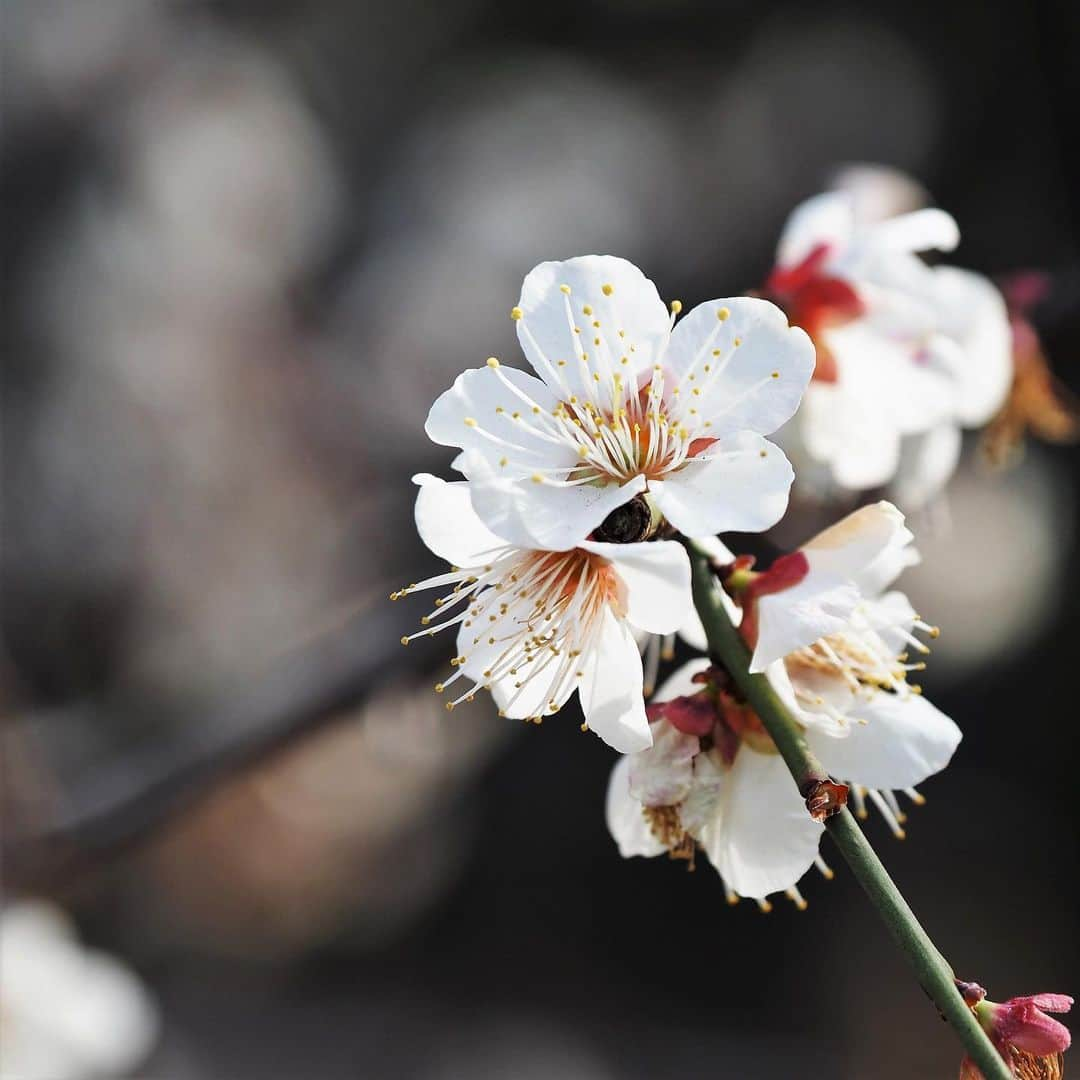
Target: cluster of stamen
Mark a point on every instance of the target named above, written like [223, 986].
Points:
[531, 614]
[861, 658]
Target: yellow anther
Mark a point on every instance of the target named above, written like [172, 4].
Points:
[607, 290]
[564, 289]
[503, 462]
[723, 314]
[449, 706]
[439, 688]
[763, 453]
[404, 640]
[424, 620]
[586, 310]
[516, 313]
[492, 361]
[676, 307]
[537, 478]
[737, 342]
[776, 374]
[716, 352]
[470, 422]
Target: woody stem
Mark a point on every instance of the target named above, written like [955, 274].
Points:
[931, 968]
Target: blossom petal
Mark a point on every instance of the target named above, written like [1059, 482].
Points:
[612, 697]
[740, 484]
[826, 219]
[905, 739]
[543, 515]
[761, 839]
[972, 312]
[746, 371]
[816, 607]
[559, 297]
[662, 774]
[868, 547]
[657, 579]
[625, 816]
[851, 560]
[490, 411]
[449, 526]
[927, 460]
[855, 437]
[929, 229]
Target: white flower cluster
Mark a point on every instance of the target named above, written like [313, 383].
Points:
[639, 431]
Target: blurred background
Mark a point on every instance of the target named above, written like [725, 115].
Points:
[245, 246]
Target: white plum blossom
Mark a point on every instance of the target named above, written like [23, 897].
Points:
[66, 1012]
[834, 646]
[536, 625]
[907, 354]
[625, 401]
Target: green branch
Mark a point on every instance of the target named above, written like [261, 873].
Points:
[930, 967]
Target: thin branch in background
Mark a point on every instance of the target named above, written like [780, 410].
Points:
[108, 809]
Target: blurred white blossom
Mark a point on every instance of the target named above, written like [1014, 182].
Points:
[66, 1012]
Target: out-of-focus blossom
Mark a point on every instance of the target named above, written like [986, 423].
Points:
[536, 625]
[1038, 403]
[66, 1012]
[624, 405]
[907, 354]
[1030, 1041]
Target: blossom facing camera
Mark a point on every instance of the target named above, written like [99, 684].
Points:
[1030, 1042]
[907, 354]
[535, 626]
[626, 400]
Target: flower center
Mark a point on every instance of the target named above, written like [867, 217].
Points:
[635, 434]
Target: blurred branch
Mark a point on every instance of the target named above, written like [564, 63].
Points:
[119, 804]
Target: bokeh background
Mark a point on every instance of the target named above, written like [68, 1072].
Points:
[245, 245]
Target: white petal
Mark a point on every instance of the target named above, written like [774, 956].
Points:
[905, 739]
[875, 367]
[816, 607]
[449, 526]
[625, 817]
[740, 484]
[868, 547]
[972, 311]
[927, 461]
[715, 548]
[542, 515]
[477, 414]
[824, 219]
[929, 229]
[858, 439]
[657, 579]
[754, 385]
[618, 296]
[762, 840]
[661, 775]
[680, 683]
[611, 692]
